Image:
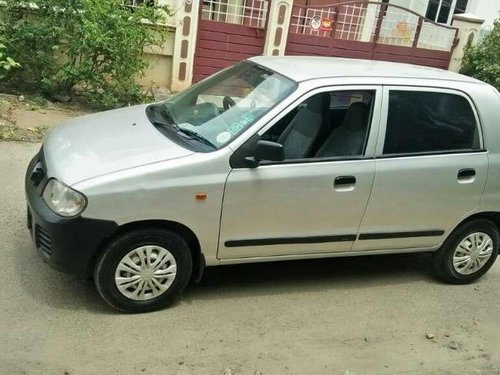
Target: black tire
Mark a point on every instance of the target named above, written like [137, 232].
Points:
[443, 258]
[104, 272]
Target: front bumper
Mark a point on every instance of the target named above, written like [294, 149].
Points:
[66, 244]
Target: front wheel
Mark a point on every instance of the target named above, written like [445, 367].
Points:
[469, 252]
[143, 270]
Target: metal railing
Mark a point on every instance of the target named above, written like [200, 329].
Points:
[375, 22]
[241, 12]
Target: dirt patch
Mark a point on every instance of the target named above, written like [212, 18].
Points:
[16, 133]
[29, 118]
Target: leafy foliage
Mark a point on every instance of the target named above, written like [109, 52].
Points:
[482, 61]
[95, 44]
[6, 63]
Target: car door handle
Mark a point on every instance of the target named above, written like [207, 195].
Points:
[466, 175]
[344, 183]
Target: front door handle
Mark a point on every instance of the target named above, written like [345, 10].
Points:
[344, 183]
[466, 175]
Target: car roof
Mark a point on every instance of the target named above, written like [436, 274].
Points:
[302, 68]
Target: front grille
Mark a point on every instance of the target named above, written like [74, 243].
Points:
[42, 239]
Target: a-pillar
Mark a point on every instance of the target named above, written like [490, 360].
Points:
[278, 22]
[468, 32]
[185, 43]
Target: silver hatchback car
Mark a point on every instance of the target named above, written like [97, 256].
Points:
[275, 158]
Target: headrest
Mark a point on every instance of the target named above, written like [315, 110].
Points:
[319, 103]
[356, 117]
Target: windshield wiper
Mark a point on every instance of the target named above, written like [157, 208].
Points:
[189, 133]
[194, 135]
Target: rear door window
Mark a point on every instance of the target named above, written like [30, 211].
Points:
[430, 122]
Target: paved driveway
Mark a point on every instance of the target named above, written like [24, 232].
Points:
[364, 315]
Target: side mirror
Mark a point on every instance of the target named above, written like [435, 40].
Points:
[266, 150]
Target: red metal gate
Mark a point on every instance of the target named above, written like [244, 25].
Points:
[229, 31]
[369, 30]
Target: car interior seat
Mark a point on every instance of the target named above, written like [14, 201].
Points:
[298, 139]
[349, 138]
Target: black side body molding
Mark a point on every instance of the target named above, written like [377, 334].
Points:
[383, 236]
[326, 239]
[290, 240]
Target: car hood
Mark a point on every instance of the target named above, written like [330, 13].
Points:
[106, 142]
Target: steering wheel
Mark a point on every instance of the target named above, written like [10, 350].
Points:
[228, 102]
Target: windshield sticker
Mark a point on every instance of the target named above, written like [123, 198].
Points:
[248, 118]
[235, 128]
[223, 137]
[240, 125]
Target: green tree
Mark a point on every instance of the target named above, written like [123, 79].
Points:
[482, 61]
[95, 44]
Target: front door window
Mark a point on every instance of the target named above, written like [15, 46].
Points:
[326, 125]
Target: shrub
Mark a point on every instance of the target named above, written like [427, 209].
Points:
[95, 44]
[7, 64]
[482, 61]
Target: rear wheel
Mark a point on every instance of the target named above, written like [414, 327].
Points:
[143, 270]
[469, 252]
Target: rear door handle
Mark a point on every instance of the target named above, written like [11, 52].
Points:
[466, 175]
[344, 183]
[345, 180]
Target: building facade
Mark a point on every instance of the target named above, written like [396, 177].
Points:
[204, 36]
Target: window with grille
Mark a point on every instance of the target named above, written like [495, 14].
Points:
[242, 12]
[441, 11]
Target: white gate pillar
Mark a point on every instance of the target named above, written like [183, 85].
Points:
[185, 44]
[280, 13]
[468, 32]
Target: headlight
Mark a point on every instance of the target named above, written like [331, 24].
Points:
[62, 199]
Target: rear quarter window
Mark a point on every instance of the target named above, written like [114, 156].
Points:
[429, 122]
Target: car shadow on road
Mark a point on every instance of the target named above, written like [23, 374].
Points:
[260, 279]
[62, 291]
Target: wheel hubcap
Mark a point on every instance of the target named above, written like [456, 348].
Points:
[145, 273]
[472, 253]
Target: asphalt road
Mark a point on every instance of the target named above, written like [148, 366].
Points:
[365, 315]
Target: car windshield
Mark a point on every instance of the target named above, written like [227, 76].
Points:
[218, 109]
